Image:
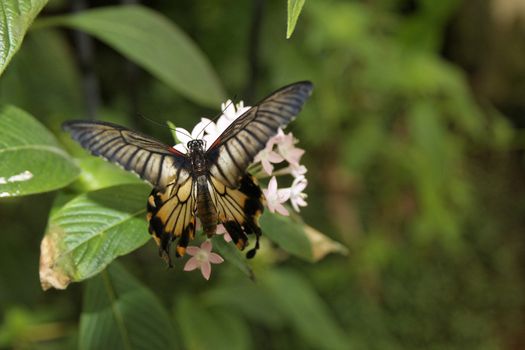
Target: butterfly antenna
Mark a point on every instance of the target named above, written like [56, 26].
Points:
[163, 125]
[217, 116]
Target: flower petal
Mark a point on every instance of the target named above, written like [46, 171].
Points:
[206, 245]
[220, 229]
[192, 264]
[272, 185]
[283, 194]
[198, 130]
[206, 269]
[181, 148]
[191, 250]
[281, 209]
[183, 135]
[215, 258]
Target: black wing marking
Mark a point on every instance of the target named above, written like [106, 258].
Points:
[171, 215]
[150, 159]
[239, 209]
[234, 150]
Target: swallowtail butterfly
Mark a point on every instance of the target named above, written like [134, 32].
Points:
[211, 184]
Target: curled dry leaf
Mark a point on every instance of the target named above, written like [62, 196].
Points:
[322, 244]
[52, 275]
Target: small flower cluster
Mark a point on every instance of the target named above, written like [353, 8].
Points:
[280, 148]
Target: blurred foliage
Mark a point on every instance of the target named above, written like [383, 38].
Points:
[410, 164]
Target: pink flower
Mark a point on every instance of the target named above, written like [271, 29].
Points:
[268, 155]
[222, 231]
[295, 193]
[275, 197]
[202, 258]
[286, 146]
[296, 170]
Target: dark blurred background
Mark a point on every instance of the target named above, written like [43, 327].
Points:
[414, 141]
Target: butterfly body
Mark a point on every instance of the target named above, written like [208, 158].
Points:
[211, 184]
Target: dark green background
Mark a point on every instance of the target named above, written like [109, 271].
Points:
[414, 147]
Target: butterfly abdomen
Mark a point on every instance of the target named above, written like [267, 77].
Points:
[206, 210]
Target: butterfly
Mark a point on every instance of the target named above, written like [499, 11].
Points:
[211, 184]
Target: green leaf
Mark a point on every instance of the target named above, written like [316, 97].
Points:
[173, 127]
[90, 231]
[306, 311]
[288, 235]
[294, 10]
[15, 18]
[98, 173]
[204, 328]
[155, 43]
[232, 255]
[120, 313]
[43, 78]
[248, 299]
[31, 160]
[298, 239]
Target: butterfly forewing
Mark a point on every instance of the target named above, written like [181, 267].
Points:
[236, 147]
[175, 199]
[150, 159]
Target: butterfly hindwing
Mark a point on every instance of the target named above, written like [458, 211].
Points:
[171, 215]
[221, 170]
[239, 208]
[150, 159]
[236, 147]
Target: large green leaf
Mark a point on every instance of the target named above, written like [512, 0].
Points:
[15, 18]
[31, 160]
[294, 10]
[232, 255]
[155, 43]
[90, 231]
[121, 313]
[43, 78]
[205, 328]
[307, 313]
[298, 239]
[248, 299]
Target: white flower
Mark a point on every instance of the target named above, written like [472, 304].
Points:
[275, 197]
[296, 170]
[184, 136]
[208, 130]
[287, 149]
[268, 155]
[295, 193]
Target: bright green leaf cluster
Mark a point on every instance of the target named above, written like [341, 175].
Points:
[15, 18]
[152, 41]
[294, 10]
[88, 232]
[120, 313]
[31, 160]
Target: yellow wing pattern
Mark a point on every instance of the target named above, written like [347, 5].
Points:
[171, 215]
[239, 209]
